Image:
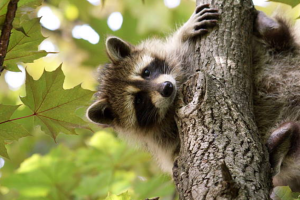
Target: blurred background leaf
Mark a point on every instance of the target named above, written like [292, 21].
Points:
[292, 3]
[89, 172]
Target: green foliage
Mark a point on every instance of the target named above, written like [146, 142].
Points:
[26, 29]
[23, 40]
[44, 176]
[285, 193]
[82, 167]
[87, 173]
[24, 8]
[294, 12]
[8, 129]
[292, 3]
[140, 21]
[123, 196]
[3, 10]
[53, 108]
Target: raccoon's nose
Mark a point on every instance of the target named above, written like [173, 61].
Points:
[167, 89]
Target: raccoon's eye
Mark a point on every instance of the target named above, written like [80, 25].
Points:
[138, 99]
[146, 73]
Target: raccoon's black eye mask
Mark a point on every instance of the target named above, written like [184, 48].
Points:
[139, 99]
[155, 68]
[146, 112]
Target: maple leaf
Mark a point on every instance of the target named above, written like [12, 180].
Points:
[22, 47]
[24, 7]
[9, 130]
[53, 107]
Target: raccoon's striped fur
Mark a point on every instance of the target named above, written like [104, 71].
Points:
[138, 88]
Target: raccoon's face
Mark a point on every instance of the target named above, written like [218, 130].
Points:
[136, 91]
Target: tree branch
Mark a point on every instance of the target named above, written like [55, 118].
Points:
[6, 30]
[221, 155]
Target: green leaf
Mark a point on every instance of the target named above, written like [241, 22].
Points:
[24, 47]
[3, 10]
[24, 7]
[123, 196]
[93, 185]
[53, 107]
[52, 175]
[8, 129]
[283, 193]
[292, 3]
[21, 29]
[159, 185]
[296, 195]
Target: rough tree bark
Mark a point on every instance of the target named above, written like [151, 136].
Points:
[221, 154]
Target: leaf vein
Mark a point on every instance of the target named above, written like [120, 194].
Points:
[8, 50]
[45, 96]
[61, 104]
[25, 55]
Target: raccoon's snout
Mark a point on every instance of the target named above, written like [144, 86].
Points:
[167, 89]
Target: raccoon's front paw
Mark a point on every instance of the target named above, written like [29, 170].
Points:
[201, 20]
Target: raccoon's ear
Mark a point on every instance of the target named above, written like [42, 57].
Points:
[117, 49]
[100, 113]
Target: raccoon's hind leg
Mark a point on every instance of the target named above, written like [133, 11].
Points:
[275, 32]
[284, 149]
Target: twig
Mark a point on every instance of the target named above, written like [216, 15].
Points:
[6, 30]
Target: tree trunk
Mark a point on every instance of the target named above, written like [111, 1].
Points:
[221, 155]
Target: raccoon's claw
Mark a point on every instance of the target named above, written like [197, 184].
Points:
[205, 24]
[206, 17]
[211, 14]
[200, 32]
[202, 19]
[201, 7]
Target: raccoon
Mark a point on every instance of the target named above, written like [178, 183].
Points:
[277, 95]
[138, 89]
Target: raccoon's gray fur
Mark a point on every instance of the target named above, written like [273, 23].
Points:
[137, 90]
[277, 95]
[138, 103]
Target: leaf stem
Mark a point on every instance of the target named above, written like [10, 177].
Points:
[18, 118]
[6, 30]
